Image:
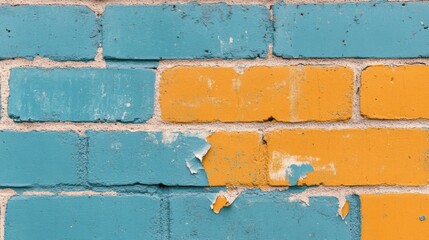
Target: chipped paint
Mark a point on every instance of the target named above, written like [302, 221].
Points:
[169, 137]
[350, 156]
[291, 168]
[225, 199]
[219, 203]
[194, 165]
[202, 152]
[152, 158]
[235, 159]
[345, 208]
[296, 173]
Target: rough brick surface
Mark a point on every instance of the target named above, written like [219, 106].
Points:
[186, 31]
[142, 119]
[402, 216]
[119, 158]
[83, 217]
[235, 159]
[290, 94]
[266, 216]
[348, 157]
[39, 158]
[81, 95]
[58, 32]
[365, 29]
[399, 92]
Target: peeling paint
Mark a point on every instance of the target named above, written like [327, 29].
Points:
[345, 208]
[225, 199]
[169, 137]
[295, 173]
[219, 203]
[202, 152]
[289, 167]
[194, 165]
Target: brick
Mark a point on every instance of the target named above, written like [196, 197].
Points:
[58, 32]
[348, 157]
[83, 217]
[235, 159]
[186, 31]
[365, 29]
[395, 216]
[288, 94]
[39, 158]
[81, 95]
[399, 92]
[262, 216]
[119, 158]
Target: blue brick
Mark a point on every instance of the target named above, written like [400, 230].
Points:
[81, 95]
[267, 215]
[57, 32]
[39, 158]
[84, 217]
[361, 30]
[119, 158]
[186, 31]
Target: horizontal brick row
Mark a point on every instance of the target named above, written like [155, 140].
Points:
[210, 94]
[279, 158]
[253, 215]
[188, 216]
[184, 31]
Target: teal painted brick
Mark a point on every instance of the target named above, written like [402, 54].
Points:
[40, 158]
[119, 158]
[84, 217]
[81, 95]
[267, 215]
[186, 31]
[362, 30]
[57, 32]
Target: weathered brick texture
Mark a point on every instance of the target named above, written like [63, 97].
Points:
[399, 92]
[81, 95]
[186, 31]
[61, 33]
[289, 94]
[154, 120]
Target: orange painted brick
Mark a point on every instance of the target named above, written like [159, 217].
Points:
[235, 159]
[395, 216]
[289, 94]
[348, 157]
[395, 92]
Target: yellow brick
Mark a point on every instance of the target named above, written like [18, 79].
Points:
[348, 157]
[395, 92]
[289, 94]
[395, 216]
[235, 159]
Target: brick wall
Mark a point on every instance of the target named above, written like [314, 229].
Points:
[239, 120]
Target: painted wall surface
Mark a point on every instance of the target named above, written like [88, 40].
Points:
[153, 119]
